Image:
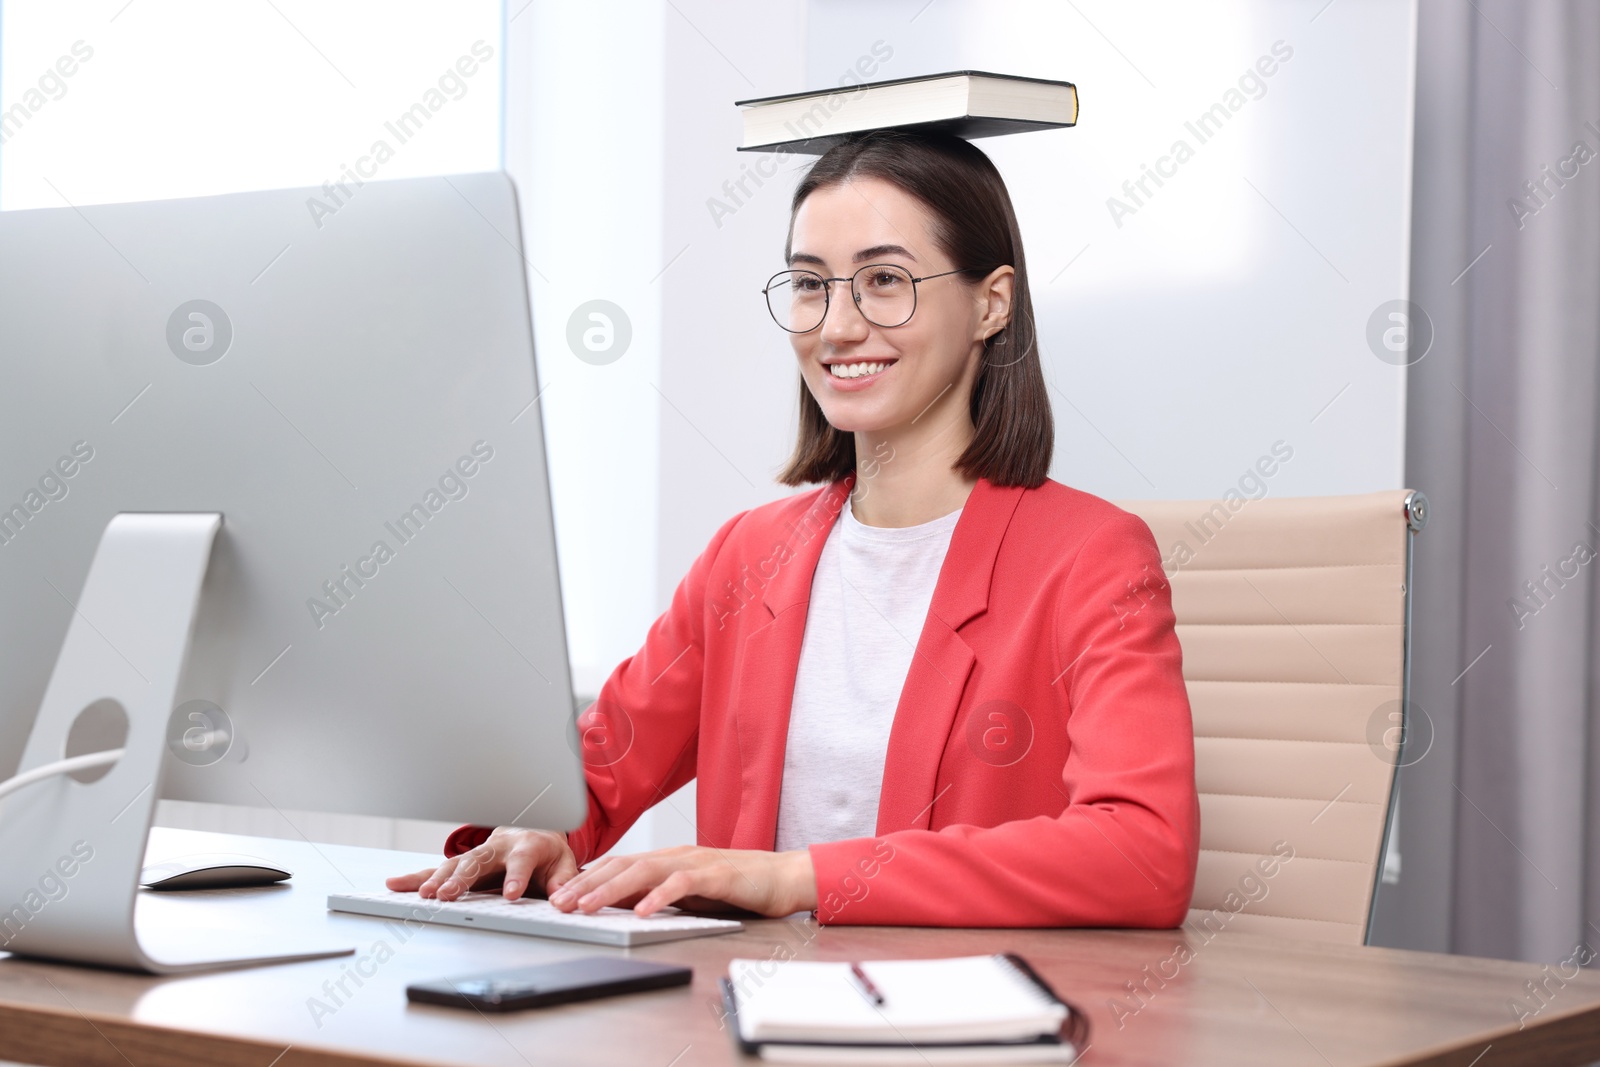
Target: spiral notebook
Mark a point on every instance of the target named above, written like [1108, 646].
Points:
[993, 1008]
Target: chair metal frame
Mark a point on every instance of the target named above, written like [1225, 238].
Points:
[1416, 510]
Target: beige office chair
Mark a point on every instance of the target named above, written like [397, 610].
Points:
[1294, 615]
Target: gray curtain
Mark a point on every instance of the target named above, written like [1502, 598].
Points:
[1500, 819]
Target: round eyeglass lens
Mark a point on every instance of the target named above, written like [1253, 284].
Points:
[797, 299]
[886, 294]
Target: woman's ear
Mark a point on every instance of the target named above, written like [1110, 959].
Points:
[994, 296]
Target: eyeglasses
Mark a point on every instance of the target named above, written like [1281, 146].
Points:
[885, 294]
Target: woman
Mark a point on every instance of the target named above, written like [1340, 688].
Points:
[942, 690]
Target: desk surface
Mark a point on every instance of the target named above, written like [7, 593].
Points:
[1239, 999]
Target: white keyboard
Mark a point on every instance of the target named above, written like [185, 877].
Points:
[538, 918]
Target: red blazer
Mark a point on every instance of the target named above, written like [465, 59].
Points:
[1040, 768]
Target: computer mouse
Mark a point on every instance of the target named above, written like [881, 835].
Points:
[212, 870]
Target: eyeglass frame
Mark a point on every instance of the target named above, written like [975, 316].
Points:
[827, 292]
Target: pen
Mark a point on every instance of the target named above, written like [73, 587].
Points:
[864, 984]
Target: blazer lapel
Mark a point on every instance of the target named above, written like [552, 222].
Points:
[768, 662]
[930, 698]
[943, 661]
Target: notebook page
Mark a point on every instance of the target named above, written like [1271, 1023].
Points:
[977, 998]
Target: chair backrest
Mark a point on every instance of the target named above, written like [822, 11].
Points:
[1294, 616]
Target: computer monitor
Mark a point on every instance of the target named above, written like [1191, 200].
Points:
[346, 374]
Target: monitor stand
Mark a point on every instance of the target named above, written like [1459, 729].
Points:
[71, 849]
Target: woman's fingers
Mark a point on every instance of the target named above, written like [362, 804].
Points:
[562, 871]
[763, 883]
[475, 865]
[430, 885]
[584, 881]
[527, 855]
[705, 879]
[533, 858]
[406, 883]
[627, 879]
[673, 888]
[470, 869]
[652, 882]
[512, 857]
[647, 882]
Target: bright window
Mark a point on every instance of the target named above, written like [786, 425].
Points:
[149, 99]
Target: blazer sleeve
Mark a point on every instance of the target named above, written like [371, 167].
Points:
[654, 700]
[643, 727]
[1123, 852]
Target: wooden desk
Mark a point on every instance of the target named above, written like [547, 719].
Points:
[1240, 1000]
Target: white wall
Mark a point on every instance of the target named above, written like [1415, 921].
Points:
[651, 453]
[588, 157]
[1230, 308]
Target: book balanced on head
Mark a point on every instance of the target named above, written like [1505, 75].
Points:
[990, 1008]
[966, 103]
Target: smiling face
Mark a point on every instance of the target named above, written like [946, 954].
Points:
[878, 380]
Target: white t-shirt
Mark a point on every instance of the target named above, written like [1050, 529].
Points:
[869, 599]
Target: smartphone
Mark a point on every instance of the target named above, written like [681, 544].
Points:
[550, 983]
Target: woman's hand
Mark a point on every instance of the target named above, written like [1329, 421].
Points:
[511, 858]
[767, 883]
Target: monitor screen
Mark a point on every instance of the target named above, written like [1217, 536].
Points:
[346, 374]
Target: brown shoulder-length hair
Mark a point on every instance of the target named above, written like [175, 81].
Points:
[973, 223]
